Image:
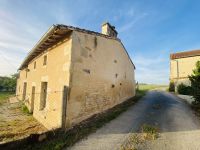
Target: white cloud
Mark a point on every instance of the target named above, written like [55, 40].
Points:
[151, 69]
[130, 24]
[15, 41]
[20, 32]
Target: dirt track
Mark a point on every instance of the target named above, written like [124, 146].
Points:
[14, 124]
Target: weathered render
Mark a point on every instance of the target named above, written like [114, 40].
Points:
[72, 74]
[181, 66]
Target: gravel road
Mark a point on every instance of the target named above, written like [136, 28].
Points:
[179, 127]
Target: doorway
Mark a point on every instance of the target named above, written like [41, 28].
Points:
[43, 95]
[32, 98]
[24, 91]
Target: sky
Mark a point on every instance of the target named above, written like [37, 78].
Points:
[150, 30]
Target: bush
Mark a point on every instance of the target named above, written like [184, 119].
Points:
[183, 89]
[171, 87]
[195, 83]
[25, 109]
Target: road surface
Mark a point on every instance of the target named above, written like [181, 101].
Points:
[179, 127]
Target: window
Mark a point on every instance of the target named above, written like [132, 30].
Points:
[43, 95]
[35, 65]
[45, 60]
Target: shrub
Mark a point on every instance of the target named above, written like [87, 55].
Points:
[171, 87]
[195, 83]
[183, 89]
[25, 109]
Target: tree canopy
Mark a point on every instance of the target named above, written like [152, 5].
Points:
[195, 82]
[8, 83]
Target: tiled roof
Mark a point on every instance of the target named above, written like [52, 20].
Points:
[55, 34]
[185, 54]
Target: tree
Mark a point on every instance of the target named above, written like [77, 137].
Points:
[8, 83]
[195, 83]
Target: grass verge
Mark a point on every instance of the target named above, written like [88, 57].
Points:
[4, 96]
[86, 127]
[152, 86]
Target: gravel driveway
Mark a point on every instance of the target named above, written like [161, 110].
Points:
[179, 127]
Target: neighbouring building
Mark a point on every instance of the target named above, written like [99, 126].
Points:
[72, 74]
[182, 65]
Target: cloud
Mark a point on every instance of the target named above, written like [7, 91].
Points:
[130, 24]
[21, 28]
[151, 69]
[15, 41]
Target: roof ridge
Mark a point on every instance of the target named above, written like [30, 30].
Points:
[184, 54]
[86, 31]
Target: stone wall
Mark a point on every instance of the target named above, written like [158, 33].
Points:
[102, 76]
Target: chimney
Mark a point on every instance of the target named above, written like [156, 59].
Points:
[108, 29]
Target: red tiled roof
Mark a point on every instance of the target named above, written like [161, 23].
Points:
[185, 54]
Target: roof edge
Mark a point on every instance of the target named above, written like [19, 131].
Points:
[53, 32]
[49, 31]
[185, 54]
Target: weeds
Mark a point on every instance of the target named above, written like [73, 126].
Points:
[25, 109]
[149, 132]
[131, 143]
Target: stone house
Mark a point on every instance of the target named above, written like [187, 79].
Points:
[72, 74]
[181, 65]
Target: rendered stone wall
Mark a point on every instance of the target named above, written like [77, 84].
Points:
[56, 73]
[102, 76]
[96, 70]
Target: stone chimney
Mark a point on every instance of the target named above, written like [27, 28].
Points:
[108, 29]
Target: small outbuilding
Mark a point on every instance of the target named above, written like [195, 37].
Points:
[182, 65]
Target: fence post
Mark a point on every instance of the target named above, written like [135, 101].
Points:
[64, 106]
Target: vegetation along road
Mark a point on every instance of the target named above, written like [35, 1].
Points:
[159, 121]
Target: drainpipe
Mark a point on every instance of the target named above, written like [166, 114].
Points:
[177, 72]
[177, 69]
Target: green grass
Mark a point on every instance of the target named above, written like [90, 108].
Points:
[148, 87]
[4, 96]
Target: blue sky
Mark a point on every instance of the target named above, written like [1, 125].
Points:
[150, 30]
